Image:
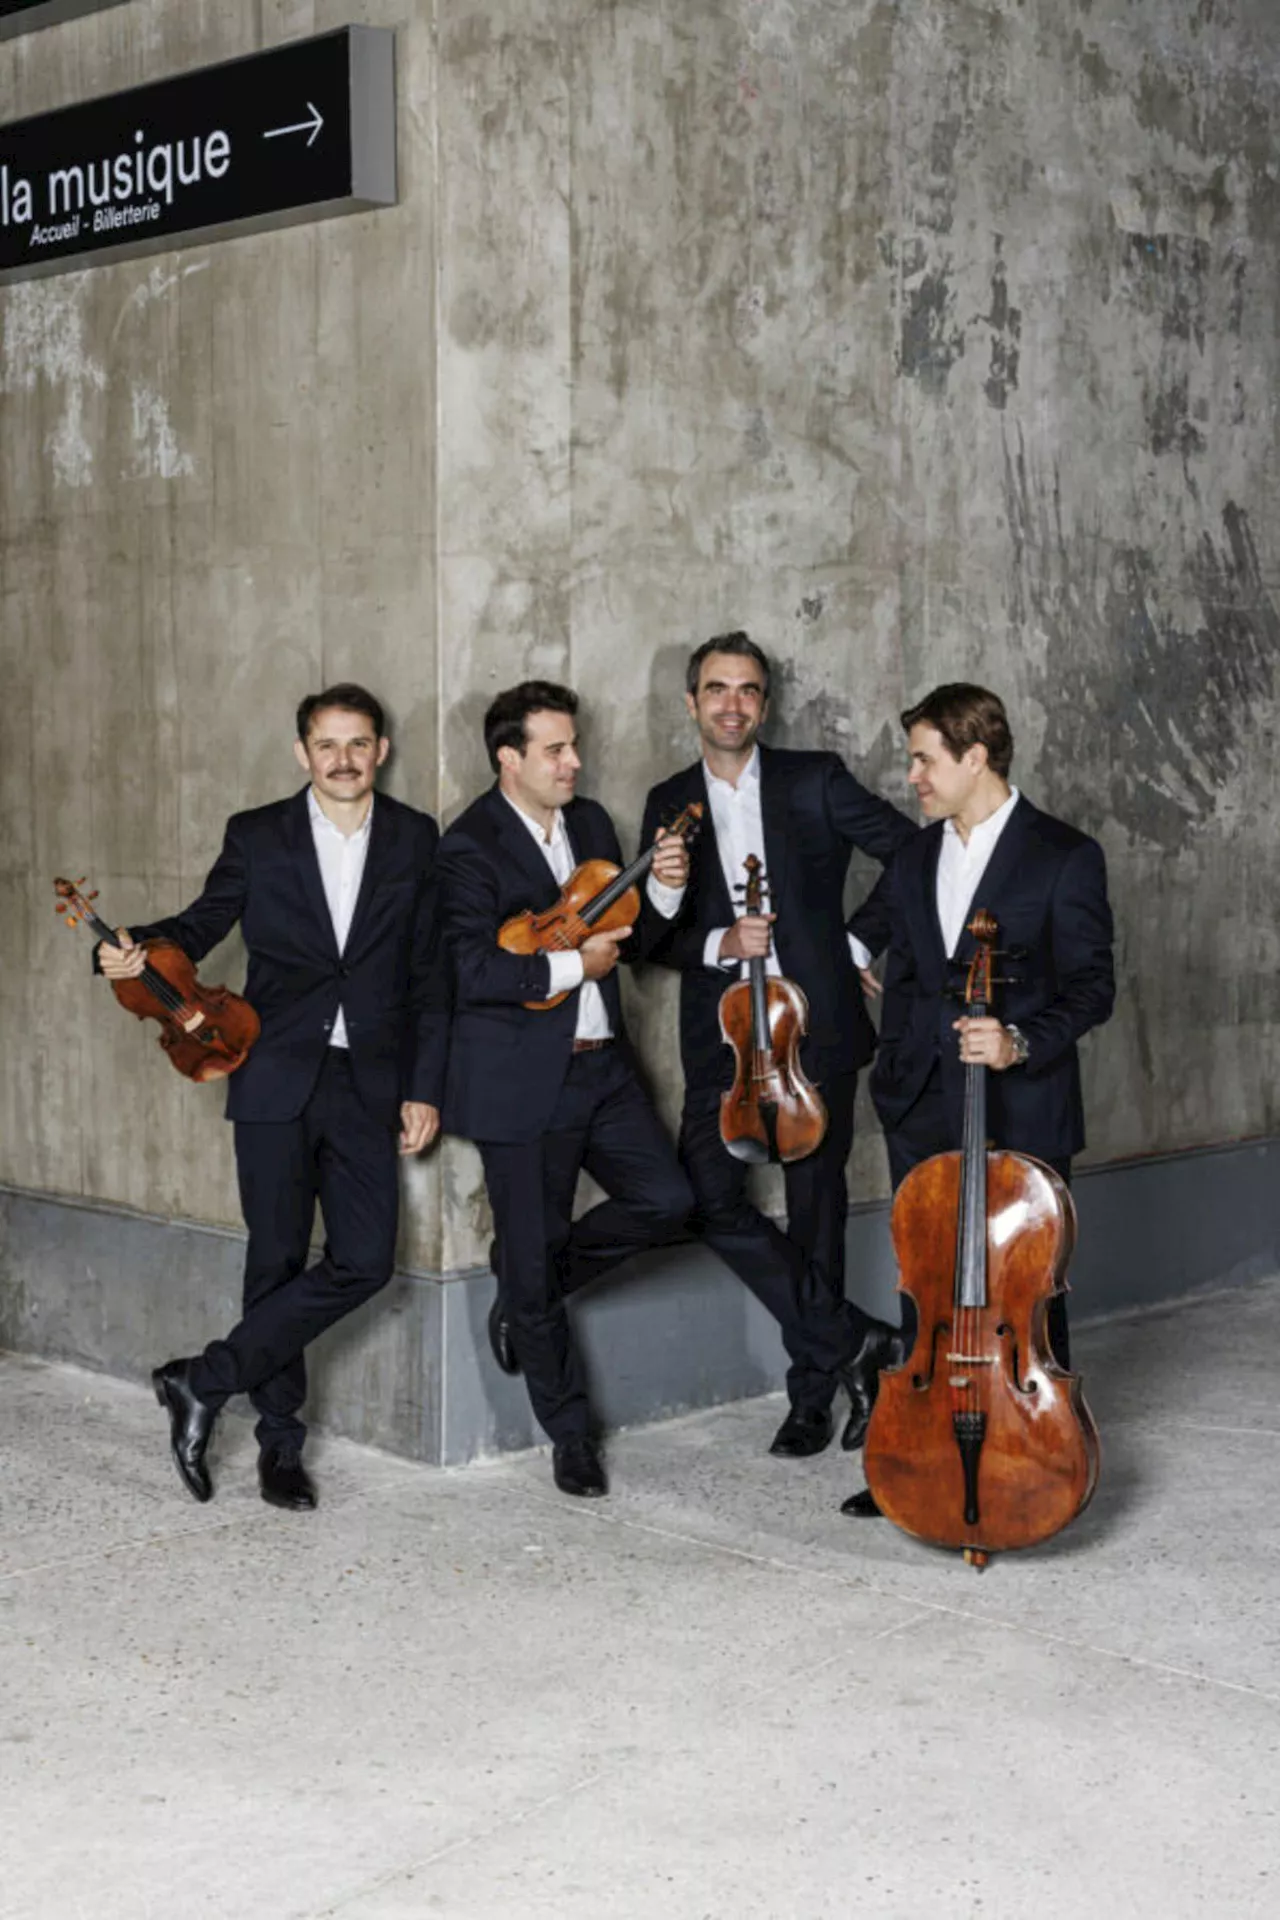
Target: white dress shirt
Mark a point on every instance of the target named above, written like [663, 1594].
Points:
[961, 865]
[342, 857]
[739, 825]
[567, 970]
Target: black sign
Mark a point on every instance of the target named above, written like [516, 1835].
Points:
[297, 133]
[24, 16]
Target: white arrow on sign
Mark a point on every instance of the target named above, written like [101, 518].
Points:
[314, 123]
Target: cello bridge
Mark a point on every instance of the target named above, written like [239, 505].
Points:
[972, 1359]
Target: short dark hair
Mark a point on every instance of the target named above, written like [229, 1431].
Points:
[346, 694]
[966, 716]
[737, 642]
[504, 724]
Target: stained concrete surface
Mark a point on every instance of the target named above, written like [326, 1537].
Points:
[926, 341]
[457, 1692]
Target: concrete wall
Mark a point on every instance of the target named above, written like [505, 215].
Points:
[923, 340]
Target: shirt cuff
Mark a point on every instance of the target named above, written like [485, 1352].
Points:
[567, 972]
[664, 899]
[862, 956]
[711, 951]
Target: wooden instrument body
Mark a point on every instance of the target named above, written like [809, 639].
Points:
[210, 1036]
[772, 1111]
[1039, 1457]
[561, 928]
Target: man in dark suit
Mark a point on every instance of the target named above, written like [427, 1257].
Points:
[1046, 884]
[546, 1092]
[802, 814]
[335, 892]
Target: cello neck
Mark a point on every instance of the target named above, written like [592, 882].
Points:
[971, 1227]
[971, 1232]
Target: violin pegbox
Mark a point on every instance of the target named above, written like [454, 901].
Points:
[753, 891]
[72, 902]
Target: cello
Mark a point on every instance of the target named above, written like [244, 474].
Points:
[598, 897]
[980, 1440]
[206, 1031]
[772, 1112]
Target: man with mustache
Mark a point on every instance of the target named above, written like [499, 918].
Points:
[546, 1092]
[985, 846]
[335, 893]
[801, 814]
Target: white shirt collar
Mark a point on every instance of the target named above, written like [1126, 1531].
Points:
[987, 831]
[319, 818]
[750, 775]
[543, 838]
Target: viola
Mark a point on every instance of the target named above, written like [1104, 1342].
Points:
[980, 1441]
[207, 1032]
[598, 897]
[772, 1112]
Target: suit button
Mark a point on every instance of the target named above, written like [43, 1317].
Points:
[344, 973]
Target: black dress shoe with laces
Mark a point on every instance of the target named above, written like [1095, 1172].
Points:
[284, 1480]
[805, 1430]
[190, 1424]
[577, 1469]
[861, 1505]
[882, 1347]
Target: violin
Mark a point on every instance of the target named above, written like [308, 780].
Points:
[206, 1031]
[980, 1440]
[598, 897]
[772, 1111]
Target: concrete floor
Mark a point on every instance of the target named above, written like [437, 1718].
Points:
[709, 1696]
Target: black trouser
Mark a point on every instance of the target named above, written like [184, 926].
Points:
[334, 1152]
[797, 1275]
[925, 1130]
[603, 1121]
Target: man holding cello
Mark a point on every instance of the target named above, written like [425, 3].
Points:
[1045, 883]
[800, 814]
[335, 893]
[545, 1090]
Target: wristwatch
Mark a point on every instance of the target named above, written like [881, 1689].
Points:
[1021, 1046]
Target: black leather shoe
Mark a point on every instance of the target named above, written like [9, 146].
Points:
[500, 1340]
[577, 1469]
[190, 1424]
[861, 1505]
[882, 1347]
[284, 1480]
[805, 1430]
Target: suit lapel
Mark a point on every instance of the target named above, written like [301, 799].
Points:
[1003, 864]
[304, 849]
[773, 819]
[1000, 869]
[715, 899]
[522, 853]
[381, 831]
[929, 903]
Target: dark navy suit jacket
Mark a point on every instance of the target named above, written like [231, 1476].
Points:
[391, 978]
[506, 1063]
[1046, 885]
[813, 813]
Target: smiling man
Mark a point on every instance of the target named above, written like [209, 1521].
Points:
[335, 893]
[547, 1091]
[801, 814]
[985, 846]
